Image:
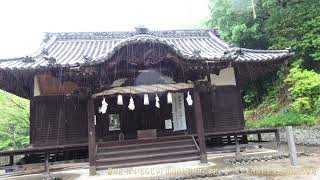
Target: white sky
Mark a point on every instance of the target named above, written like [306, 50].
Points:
[24, 21]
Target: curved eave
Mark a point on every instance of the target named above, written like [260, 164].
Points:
[220, 55]
[185, 57]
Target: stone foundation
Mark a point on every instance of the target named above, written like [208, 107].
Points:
[303, 135]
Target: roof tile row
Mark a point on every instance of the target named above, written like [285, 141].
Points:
[69, 49]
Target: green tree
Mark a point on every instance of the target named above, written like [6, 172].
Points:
[276, 24]
[14, 121]
[279, 24]
[234, 19]
[297, 26]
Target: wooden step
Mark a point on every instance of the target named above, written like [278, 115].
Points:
[143, 141]
[144, 145]
[146, 156]
[146, 152]
[145, 163]
[157, 157]
[131, 152]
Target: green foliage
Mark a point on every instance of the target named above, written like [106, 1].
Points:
[283, 119]
[304, 109]
[297, 26]
[14, 121]
[264, 91]
[249, 96]
[234, 20]
[278, 24]
[305, 90]
[317, 106]
[302, 104]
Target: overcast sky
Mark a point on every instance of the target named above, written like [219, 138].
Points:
[24, 21]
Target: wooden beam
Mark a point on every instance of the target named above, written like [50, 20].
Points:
[91, 137]
[200, 126]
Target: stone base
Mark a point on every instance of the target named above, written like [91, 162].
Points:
[92, 170]
[203, 159]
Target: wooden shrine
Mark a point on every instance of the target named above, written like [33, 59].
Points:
[152, 95]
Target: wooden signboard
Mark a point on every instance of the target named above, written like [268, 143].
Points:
[178, 112]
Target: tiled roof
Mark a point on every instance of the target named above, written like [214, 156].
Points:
[73, 49]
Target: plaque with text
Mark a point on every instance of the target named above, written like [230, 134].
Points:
[178, 112]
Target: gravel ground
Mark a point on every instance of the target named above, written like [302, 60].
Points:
[309, 167]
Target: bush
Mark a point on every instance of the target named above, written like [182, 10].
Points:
[304, 91]
[283, 119]
[317, 106]
[302, 104]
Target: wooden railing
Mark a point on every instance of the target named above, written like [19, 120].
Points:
[8, 160]
[195, 142]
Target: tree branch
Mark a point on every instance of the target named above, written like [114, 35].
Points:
[12, 101]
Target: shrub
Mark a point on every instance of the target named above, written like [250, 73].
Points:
[283, 119]
[317, 106]
[302, 104]
[305, 90]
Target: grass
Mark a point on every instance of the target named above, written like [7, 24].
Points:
[284, 119]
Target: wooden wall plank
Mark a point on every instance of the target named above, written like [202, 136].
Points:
[57, 120]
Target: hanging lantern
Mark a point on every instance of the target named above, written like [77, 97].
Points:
[104, 106]
[189, 99]
[157, 102]
[146, 99]
[120, 100]
[169, 98]
[131, 105]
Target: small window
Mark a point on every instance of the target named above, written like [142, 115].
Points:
[114, 122]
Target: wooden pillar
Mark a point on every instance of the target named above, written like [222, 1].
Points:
[260, 140]
[11, 159]
[259, 137]
[200, 126]
[91, 137]
[236, 141]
